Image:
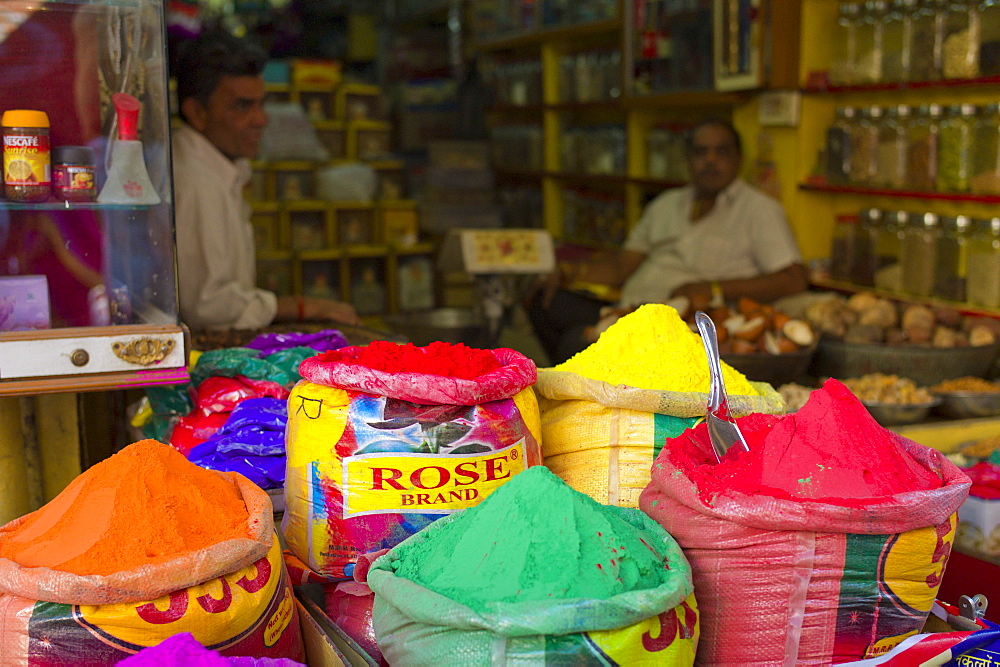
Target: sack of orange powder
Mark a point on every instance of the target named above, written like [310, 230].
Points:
[140, 547]
[384, 439]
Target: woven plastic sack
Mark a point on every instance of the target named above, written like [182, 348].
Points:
[782, 582]
[601, 438]
[416, 626]
[234, 597]
[373, 457]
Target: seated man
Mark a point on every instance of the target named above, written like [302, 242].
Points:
[221, 93]
[716, 238]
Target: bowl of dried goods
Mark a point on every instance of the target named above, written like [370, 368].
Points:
[968, 397]
[870, 334]
[892, 400]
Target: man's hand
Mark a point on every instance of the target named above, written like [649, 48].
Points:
[699, 292]
[325, 309]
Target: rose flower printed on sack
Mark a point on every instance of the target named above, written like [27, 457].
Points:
[439, 358]
[831, 451]
[146, 504]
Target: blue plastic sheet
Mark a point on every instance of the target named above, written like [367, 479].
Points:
[251, 442]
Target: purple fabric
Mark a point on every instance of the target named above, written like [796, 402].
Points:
[321, 341]
[184, 649]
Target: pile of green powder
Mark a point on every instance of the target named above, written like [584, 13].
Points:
[534, 538]
[653, 348]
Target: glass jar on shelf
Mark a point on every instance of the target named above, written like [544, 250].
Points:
[951, 258]
[983, 274]
[865, 256]
[891, 160]
[843, 247]
[838, 145]
[844, 44]
[896, 40]
[868, 63]
[989, 37]
[926, 40]
[960, 48]
[986, 151]
[922, 147]
[955, 148]
[918, 254]
[888, 249]
[864, 146]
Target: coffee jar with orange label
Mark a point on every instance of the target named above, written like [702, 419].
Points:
[26, 161]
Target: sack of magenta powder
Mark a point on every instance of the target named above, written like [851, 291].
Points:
[386, 438]
[825, 543]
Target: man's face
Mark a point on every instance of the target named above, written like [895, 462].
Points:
[714, 161]
[234, 118]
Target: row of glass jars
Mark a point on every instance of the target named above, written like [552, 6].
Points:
[921, 254]
[882, 41]
[930, 147]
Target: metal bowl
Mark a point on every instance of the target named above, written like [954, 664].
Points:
[968, 404]
[898, 414]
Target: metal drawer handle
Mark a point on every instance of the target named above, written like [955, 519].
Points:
[143, 351]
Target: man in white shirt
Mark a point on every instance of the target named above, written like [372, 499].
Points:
[221, 95]
[716, 238]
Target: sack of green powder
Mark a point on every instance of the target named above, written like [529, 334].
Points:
[537, 574]
[384, 439]
[607, 411]
[140, 547]
[824, 543]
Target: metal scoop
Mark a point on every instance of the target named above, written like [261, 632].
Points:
[722, 428]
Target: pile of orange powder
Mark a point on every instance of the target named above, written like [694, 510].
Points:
[146, 504]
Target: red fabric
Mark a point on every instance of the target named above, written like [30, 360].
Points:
[985, 478]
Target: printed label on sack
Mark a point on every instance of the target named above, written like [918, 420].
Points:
[888, 587]
[248, 612]
[426, 483]
[26, 159]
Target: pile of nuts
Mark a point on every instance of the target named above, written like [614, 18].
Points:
[888, 389]
[755, 327]
[867, 318]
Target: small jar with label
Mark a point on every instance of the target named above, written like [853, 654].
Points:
[892, 145]
[888, 249]
[838, 146]
[868, 64]
[960, 48]
[26, 160]
[955, 148]
[864, 147]
[843, 247]
[844, 44]
[865, 257]
[926, 40]
[73, 174]
[918, 256]
[986, 151]
[983, 273]
[896, 41]
[922, 147]
[951, 258]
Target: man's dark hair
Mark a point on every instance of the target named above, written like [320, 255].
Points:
[714, 122]
[203, 62]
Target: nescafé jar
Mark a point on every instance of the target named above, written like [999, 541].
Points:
[27, 165]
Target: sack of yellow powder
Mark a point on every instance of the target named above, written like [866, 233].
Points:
[607, 412]
[384, 439]
[536, 574]
[141, 547]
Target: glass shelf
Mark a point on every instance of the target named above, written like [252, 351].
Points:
[904, 85]
[901, 194]
[850, 288]
[69, 206]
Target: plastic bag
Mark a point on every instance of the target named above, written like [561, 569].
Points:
[349, 605]
[233, 361]
[602, 439]
[361, 441]
[416, 626]
[321, 341]
[354, 182]
[194, 429]
[786, 582]
[251, 442]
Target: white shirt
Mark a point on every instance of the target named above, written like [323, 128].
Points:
[216, 266]
[745, 235]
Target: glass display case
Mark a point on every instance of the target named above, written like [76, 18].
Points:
[87, 267]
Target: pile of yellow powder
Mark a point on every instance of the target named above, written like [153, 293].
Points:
[653, 348]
